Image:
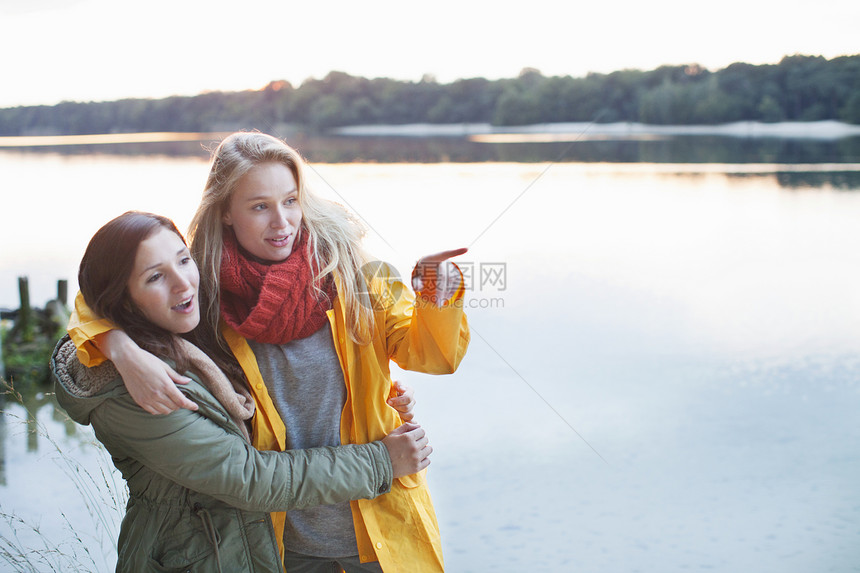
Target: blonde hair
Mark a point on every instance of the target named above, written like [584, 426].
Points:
[334, 234]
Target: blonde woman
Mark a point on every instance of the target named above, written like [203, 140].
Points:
[291, 302]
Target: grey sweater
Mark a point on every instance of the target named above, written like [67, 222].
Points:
[305, 381]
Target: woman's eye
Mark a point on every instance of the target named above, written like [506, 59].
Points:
[154, 278]
[185, 260]
[259, 207]
[290, 201]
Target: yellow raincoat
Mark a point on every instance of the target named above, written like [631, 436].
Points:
[398, 529]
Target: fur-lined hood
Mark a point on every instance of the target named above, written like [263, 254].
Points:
[80, 389]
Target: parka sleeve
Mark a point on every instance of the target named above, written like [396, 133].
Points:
[84, 326]
[420, 335]
[197, 453]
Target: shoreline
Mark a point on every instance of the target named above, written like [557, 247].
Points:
[485, 132]
[828, 130]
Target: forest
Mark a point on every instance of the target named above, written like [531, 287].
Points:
[798, 88]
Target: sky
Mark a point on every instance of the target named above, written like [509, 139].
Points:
[100, 50]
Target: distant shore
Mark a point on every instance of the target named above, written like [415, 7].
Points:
[478, 132]
[559, 131]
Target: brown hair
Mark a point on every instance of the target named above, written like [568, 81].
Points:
[103, 278]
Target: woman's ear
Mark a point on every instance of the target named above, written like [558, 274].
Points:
[226, 218]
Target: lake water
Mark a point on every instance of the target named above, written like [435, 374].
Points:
[664, 372]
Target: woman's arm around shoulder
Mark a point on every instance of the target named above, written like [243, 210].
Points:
[150, 381]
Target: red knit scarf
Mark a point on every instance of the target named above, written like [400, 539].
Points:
[271, 303]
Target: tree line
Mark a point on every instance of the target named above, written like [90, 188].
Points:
[798, 88]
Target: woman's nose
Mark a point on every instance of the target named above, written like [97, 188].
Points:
[180, 282]
[279, 218]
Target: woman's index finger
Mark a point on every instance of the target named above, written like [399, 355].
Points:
[442, 256]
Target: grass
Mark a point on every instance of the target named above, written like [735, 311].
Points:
[25, 547]
[26, 358]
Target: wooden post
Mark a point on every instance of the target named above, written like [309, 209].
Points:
[3, 376]
[63, 291]
[56, 310]
[24, 321]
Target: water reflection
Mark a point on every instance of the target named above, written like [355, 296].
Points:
[197, 148]
[697, 325]
[682, 149]
[22, 409]
[839, 180]
[63, 500]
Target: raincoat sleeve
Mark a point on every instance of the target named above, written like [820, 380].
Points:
[84, 327]
[201, 455]
[420, 335]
